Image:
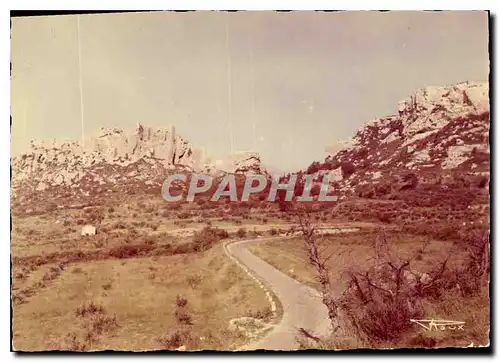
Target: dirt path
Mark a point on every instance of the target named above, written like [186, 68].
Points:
[302, 307]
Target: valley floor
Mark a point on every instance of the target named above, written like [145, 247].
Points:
[354, 253]
[156, 278]
[141, 293]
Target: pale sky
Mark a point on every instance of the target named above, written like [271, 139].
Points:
[291, 83]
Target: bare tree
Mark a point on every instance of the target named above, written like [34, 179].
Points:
[319, 263]
[479, 256]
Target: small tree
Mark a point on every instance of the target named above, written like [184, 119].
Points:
[319, 263]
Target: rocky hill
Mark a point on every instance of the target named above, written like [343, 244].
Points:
[437, 131]
[112, 162]
[426, 168]
[240, 163]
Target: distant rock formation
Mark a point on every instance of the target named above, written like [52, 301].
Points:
[437, 129]
[115, 159]
[240, 163]
[65, 163]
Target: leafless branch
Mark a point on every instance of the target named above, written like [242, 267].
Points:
[319, 263]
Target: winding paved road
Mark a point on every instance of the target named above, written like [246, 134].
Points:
[302, 306]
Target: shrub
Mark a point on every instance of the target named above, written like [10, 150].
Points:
[183, 215]
[89, 309]
[194, 281]
[95, 322]
[18, 299]
[103, 323]
[241, 233]
[207, 237]
[129, 251]
[382, 189]
[107, 286]
[378, 303]
[150, 240]
[222, 233]
[385, 320]
[481, 181]
[422, 341]
[410, 181]
[175, 339]
[181, 301]
[347, 169]
[313, 167]
[380, 300]
[479, 157]
[264, 314]
[21, 275]
[182, 317]
[52, 274]
[384, 217]
[75, 345]
[120, 225]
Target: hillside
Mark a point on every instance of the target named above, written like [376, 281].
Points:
[429, 163]
[111, 164]
[437, 129]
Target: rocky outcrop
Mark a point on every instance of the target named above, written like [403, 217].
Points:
[248, 164]
[436, 129]
[113, 161]
[240, 163]
[53, 163]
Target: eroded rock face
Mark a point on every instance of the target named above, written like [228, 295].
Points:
[436, 129]
[248, 164]
[54, 163]
[114, 160]
[240, 163]
[432, 108]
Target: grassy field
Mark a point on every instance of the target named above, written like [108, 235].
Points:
[349, 251]
[354, 253]
[139, 296]
[150, 279]
[59, 229]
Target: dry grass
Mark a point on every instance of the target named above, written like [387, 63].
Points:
[353, 254]
[143, 299]
[145, 253]
[348, 250]
[153, 222]
[152, 299]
